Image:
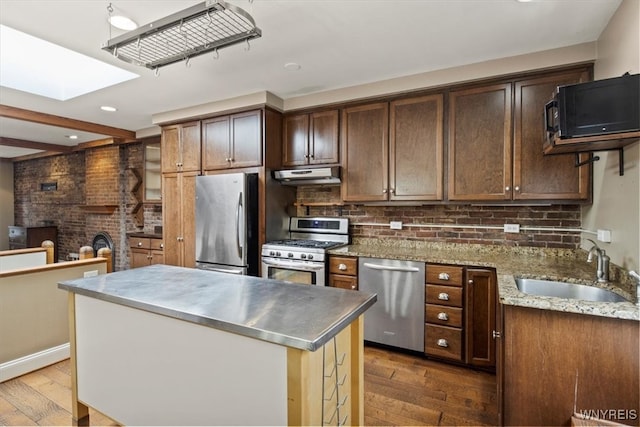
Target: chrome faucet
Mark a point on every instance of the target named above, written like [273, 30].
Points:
[637, 277]
[602, 270]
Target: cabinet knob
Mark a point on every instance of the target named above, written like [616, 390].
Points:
[442, 343]
[443, 316]
[384, 191]
[470, 281]
[443, 296]
[311, 156]
[517, 188]
[342, 267]
[354, 287]
[507, 188]
[393, 191]
[443, 276]
[496, 334]
[139, 243]
[161, 245]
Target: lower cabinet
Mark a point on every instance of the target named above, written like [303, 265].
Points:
[145, 251]
[343, 272]
[460, 308]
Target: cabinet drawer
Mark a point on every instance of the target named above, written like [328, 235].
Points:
[443, 275]
[443, 341]
[444, 295]
[344, 265]
[139, 242]
[156, 244]
[343, 281]
[442, 315]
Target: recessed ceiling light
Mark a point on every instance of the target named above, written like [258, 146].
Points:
[108, 108]
[39, 67]
[122, 22]
[524, 1]
[292, 66]
[72, 136]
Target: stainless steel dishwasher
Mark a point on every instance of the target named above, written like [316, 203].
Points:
[397, 319]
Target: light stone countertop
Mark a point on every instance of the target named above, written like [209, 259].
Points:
[509, 262]
[289, 314]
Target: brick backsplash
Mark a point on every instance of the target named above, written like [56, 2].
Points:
[94, 177]
[452, 223]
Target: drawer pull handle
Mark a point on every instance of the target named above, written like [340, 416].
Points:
[443, 316]
[443, 343]
[161, 245]
[443, 296]
[496, 334]
[443, 276]
[139, 243]
[342, 267]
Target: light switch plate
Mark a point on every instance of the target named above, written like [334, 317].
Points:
[512, 228]
[604, 236]
[396, 225]
[91, 273]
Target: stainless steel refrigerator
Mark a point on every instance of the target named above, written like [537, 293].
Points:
[227, 223]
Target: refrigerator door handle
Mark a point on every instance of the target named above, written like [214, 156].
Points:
[238, 210]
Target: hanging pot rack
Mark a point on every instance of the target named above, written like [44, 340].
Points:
[205, 27]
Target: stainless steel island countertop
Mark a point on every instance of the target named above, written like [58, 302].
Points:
[293, 315]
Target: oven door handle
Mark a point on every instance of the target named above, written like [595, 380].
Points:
[290, 264]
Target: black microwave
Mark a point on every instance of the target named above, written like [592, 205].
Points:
[595, 108]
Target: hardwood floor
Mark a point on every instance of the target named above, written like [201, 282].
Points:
[400, 389]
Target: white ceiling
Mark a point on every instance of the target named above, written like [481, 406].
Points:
[338, 43]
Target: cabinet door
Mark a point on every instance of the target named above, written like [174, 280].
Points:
[246, 139]
[343, 282]
[365, 147]
[537, 176]
[188, 214]
[216, 140]
[416, 146]
[480, 143]
[323, 137]
[180, 147]
[295, 147]
[178, 218]
[139, 257]
[157, 257]
[480, 313]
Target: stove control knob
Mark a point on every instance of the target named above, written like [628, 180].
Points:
[278, 253]
[310, 256]
[303, 256]
[272, 253]
[290, 254]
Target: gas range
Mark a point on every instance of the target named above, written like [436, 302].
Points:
[302, 258]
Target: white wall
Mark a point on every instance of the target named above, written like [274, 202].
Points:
[616, 199]
[6, 202]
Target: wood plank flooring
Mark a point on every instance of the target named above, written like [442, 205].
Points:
[400, 389]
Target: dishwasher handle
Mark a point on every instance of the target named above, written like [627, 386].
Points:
[391, 268]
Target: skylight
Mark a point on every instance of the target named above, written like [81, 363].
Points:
[33, 65]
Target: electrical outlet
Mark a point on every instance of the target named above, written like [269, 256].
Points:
[91, 273]
[396, 225]
[604, 236]
[512, 228]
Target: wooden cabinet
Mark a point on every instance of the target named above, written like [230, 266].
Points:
[536, 176]
[480, 143]
[343, 272]
[460, 314]
[402, 142]
[178, 218]
[416, 128]
[443, 334]
[311, 139]
[145, 251]
[556, 363]
[480, 306]
[233, 141]
[488, 161]
[180, 147]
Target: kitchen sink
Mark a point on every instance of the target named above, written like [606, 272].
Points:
[550, 288]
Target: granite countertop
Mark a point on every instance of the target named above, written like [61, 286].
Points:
[509, 262]
[145, 235]
[293, 315]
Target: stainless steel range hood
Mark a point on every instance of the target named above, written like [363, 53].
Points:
[310, 176]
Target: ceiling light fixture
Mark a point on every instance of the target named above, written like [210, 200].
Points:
[292, 66]
[122, 22]
[72, 136]
[108, 108]
[202, 28]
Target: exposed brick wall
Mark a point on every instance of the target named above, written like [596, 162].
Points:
[469, 219]
[93, 177]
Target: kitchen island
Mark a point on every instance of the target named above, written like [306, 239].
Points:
[164, 345]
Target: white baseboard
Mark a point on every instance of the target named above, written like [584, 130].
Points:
[15, 368]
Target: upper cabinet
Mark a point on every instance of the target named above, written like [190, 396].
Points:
[480, 143]
[536, 176]
[181, 147]
[496, 136]
[233, 141]
[152, 172]
[393, 151]
[311, 139]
